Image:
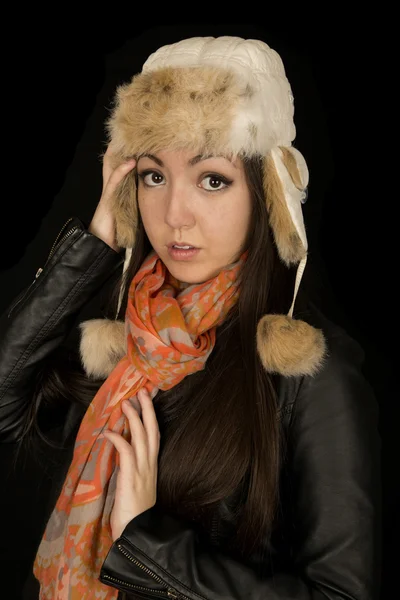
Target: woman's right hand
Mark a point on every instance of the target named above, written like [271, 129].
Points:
[102, 224]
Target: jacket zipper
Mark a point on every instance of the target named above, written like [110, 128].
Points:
[171, 592]
[148, 591]
[57, 242]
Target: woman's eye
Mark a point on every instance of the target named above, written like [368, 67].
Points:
[151, 178]
[215, 183]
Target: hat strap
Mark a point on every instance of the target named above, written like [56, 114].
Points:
[128, 254]
[299, 275]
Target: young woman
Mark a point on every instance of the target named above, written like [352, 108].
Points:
[224, 438]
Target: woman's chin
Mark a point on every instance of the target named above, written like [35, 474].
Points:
[188, 271]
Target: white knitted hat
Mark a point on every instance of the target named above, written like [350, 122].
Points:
[224, 95]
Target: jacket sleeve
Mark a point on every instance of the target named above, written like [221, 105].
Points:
[334, 480]
[41, 317]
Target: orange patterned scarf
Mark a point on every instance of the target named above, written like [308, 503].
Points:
[170, 334]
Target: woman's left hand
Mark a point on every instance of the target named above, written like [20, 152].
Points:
[136, 489]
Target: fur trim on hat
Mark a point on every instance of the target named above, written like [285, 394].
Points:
[187, 108]
[124, 206]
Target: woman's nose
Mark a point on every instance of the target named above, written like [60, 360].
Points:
[178, 213]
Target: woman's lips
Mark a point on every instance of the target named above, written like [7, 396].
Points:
[181, 254]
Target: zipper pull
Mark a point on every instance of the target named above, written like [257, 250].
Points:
[38, 272]
[172, 593]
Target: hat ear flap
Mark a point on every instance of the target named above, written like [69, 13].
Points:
[124, 205]
[287, 346]
[281, 178]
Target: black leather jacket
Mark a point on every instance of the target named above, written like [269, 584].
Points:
[328, 543]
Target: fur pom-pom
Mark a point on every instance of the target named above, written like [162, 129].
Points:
[290, 347]
[103, 344]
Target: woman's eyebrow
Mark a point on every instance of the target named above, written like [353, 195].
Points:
[200, 157]
[155, 158]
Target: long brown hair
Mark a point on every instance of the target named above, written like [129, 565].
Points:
[220, 432]
[223, 435]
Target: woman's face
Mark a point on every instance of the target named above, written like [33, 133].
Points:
[186, 200]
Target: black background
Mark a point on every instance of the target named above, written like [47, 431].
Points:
[59, 77]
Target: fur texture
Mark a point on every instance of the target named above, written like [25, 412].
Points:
[286, 346]
[103, 344]
[287, 239]
[290, 347]
[191, 108]
[125, 209]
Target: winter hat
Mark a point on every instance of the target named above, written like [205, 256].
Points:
[228, 96]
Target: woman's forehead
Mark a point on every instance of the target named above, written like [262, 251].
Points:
[188, 157]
